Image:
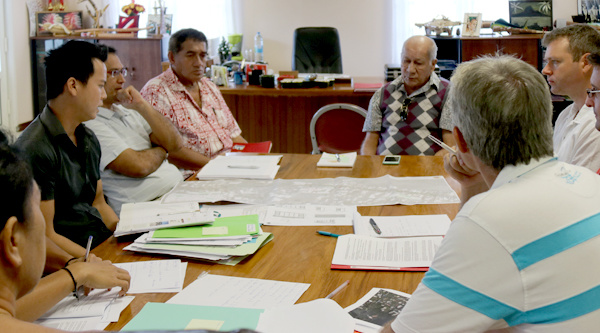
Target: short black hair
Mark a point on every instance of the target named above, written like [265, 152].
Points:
[16, 182]
[107, 49]
[73, 59]
[178, 38]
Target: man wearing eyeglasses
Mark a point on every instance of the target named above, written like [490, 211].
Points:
[593, 96]
[568, 73]
[403, 113]
[135, 140]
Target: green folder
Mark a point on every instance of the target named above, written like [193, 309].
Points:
[240, 250]
[222, 227]
[162, 316]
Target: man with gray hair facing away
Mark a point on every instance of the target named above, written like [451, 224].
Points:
[568, 71]
[403, 113]
[528, 223]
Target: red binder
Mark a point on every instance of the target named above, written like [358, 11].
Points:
[257, 147]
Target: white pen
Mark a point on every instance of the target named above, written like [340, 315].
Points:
[242, 166]
[442, 144]
[338, 289]
[337, 157]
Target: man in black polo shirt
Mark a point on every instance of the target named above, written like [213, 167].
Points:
[64, 154]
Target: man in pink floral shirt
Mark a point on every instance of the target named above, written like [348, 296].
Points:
[192, 102]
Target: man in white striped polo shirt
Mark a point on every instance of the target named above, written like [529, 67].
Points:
[523, 253]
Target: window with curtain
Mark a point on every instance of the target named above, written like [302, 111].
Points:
[408, 12]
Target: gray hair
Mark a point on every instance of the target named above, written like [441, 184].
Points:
[503, 108]
[431, 51]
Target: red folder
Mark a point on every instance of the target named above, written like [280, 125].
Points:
[257, 147]
[380, 268]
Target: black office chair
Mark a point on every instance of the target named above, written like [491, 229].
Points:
[317, 50]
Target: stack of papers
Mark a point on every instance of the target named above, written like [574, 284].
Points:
[337, 160]
[145, 216]
[248, 167]
[228, 240]
[101, 307]
[92, 312]
[395, 254]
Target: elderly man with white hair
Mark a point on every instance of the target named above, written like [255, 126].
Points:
[403, 113]
[522, 254]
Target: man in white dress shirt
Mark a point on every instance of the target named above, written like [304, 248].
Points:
[135, 140]
[568, 72]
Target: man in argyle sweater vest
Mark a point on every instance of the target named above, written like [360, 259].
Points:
[403, 113]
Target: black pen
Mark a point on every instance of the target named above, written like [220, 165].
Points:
[375, 227]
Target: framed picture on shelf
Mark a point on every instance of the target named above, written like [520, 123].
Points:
[531, 14]
[55, 23]
[471, 24]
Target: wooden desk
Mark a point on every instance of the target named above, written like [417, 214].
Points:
[298, 254]
[282, 115]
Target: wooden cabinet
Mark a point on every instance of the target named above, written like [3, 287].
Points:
[527, 47]
[142, 57]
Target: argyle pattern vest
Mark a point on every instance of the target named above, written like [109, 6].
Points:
[409, 136]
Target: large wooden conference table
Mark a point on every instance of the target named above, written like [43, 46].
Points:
[299, 254]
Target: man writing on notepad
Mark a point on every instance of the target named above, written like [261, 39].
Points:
[193, 103]
[135, 140]
[528, 223]
[403, 113]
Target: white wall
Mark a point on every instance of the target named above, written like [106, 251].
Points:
[363, 27]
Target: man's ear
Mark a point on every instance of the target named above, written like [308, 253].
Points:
[586, 65]
[71, 86]
[11, 236]
[171, 57]
[461, 144]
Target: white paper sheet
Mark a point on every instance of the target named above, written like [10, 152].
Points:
[92, 305]
[249, 167]
[145, 216]
[318, 316]
[229, 291]
[310, 215]
[357, 250]
[331, 160]
[155, 276]
[403, 226]
[341, 191]
[73, 324]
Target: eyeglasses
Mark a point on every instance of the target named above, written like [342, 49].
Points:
[591, 92]
[404, 109]
[116, 72]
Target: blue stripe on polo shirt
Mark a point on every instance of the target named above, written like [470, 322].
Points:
[467, 297]
[557, 242]
[567, 309]
[564, 310]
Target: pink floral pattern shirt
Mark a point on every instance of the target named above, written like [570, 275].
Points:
[208, 130]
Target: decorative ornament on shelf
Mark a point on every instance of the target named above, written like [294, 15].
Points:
[224, 51]
[59, 7]
[97, 13]
[438, 25]
[133, 9]
[132, 20]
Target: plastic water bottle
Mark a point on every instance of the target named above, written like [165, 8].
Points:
[258, 48]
